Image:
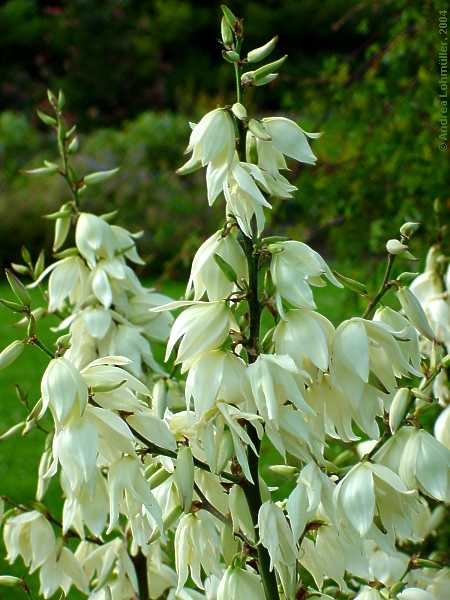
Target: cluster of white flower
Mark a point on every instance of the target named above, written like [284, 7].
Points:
[190, 489]
[109, 308]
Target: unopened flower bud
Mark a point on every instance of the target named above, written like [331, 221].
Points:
[239, 111]
[11, 353]
[99, 176]
[262, 52]
[414, 311]
[184, 477]
[398, 408]
[159, 395]
[395, 247]
[226, 32]
[231, 56]
[10, 581]
[408, 229]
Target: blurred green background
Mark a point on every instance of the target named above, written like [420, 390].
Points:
[365, 73]
[134, 73]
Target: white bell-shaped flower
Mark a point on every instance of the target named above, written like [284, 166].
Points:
[425, 464]
[30, 536]
[75, 448]
[276, 535]
[64, 390]
[207, 276]
[289, 139]
[62, 570]
[240, 583]
[202, 326]
[245, 201]
[213, 138]
[442, 428]
[370, 489]
[294, 268]
[216, 375]
[197, 546]
[306, 336]
[273, 382]
[420, 459]
[69, 280]
[94, 238]
[127, 485]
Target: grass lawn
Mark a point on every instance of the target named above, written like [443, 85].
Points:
[20, 456]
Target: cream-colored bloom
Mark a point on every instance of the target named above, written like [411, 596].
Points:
[216, 375]
[30, 536]
[442, 428]
[276, 535]
[238, 583]
[368, 490]
[213, 138]
[201, 327]
[197, 546]
[207, 276]
[289, 139]
[294, 268]
[306, 336]
[273, 382]
[64, 390]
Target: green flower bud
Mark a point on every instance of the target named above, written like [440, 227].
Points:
[42, 171]
[227, 33]
[73, 146]
[408, 229]
[262, 52]
[239, 111]
[265, 80]
[62, 228]
[12, 431]
[398, 408]
[10, 581]
[269, 68]
[99, 176]
[40, 264]
[11, 353]
[184, 477]
[231, 56]
[47, 119]
[351, 284]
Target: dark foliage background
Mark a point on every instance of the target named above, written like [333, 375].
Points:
[364, 72]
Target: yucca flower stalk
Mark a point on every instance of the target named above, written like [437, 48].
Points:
[169, 492]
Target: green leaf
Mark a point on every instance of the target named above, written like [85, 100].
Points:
[19, 290]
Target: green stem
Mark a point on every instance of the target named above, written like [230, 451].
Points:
[385, 285]
[140, 565]
[36, 342]
[252, 491]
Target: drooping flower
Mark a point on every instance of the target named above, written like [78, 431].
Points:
[240, 583]
[373, 489]
[216, 375]
[202, 326]
[197, 546]
[294, 268]
[207, 276]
